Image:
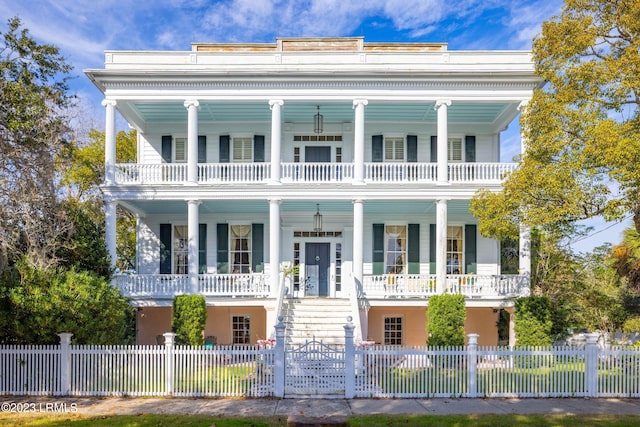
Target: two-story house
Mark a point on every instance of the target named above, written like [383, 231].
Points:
[315, 178]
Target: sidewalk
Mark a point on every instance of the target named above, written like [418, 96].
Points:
[330, 407]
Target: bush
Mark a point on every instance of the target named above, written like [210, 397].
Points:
[37, 304]
[631, 325]
[445, 324]
[533, 321]
[189, 318]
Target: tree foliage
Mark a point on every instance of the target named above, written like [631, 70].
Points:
[582, 132]
[446, 317]
[84, 174]
[37, 304]
[33, 131]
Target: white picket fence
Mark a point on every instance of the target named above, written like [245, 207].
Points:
[352, 370]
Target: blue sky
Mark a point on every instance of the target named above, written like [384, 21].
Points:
[84, 29]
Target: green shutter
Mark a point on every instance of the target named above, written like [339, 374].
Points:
[202, 149]
[434, 148]
[413, 249]
[412, 148]
[470, 148]
[432, 249]
[378, 248]
[202, 248]
[165, 248]
[166, 148]
[224, 149]
[258, 148]
[222, 248]
[257, 248]
[470, 249]
[376, 148]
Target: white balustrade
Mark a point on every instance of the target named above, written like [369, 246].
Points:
[233, 172]
[316, 172]
[418, 285]
[400, 172]
[479, 172]
[170, 285]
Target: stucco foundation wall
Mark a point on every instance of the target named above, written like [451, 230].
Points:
[152, 321]
[482, 321]
[219, 323]
[413, 322]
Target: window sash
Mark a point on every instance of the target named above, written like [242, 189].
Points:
[180, 154]
[454, 149]
[395, 249]
[180, 249]
[241, 329]
[455, 249]
[243, 150]
[393, 330]
[240, 248]
[394, 149]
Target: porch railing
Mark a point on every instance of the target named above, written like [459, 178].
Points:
[376, 172]
[316, 172]
[421, 285]
[170, 285]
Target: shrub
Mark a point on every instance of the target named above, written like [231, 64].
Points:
[189, 318]
[445, 324]
[533, 321]
[631, 325]
[37, 304]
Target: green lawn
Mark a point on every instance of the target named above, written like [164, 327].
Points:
[361, 421]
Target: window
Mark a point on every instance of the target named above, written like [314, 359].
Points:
[180, 154]
[180, 249]
[393, 331]
[396, 248]
[240, 248]
[454, 250]
[394, 149]
[241, 329]
[243, 150]
[455, 150]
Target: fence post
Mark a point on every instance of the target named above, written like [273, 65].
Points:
[349, 360]
[65, 363]
[279, 362]
[472, 365]
[591, 365]
[169, 339]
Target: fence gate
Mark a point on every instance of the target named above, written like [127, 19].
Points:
[315, 368]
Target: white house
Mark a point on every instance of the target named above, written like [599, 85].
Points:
[353, 161]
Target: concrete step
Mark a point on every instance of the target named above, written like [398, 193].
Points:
[319, 318]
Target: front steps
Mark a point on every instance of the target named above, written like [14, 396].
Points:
[319, 318]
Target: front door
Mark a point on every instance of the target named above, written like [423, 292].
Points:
[317, 269]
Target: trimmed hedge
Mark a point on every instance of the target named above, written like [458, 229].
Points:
[445, 320]
[533, 323]
[189, 318]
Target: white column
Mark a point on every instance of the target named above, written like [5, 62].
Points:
[358, 140]
[443, 137]
[192, 140]
[274, 245]
[276, 138]
[193, 230]
[441, 245]
[361, 323]
[110, 142]
[110, 215]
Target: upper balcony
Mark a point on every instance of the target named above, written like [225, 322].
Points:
[377, 172]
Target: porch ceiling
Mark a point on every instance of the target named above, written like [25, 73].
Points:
[371, 207]
[333, 112]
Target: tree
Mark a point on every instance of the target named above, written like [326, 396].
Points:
[82, 177]
[33, 130]
[582, 131]
[533, 321]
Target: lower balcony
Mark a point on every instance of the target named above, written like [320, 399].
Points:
[256, 285]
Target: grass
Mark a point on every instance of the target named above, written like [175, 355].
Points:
[76, 420]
